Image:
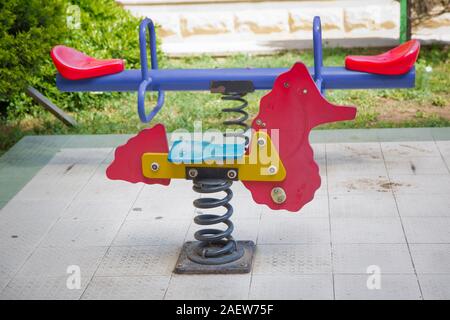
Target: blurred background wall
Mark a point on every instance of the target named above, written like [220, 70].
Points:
[255, 26]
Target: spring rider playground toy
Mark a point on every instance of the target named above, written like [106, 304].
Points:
[272, 157]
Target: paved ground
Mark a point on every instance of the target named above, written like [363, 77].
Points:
[383, 206]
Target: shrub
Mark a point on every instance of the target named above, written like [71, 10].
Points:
[106, 31]
[27, 30]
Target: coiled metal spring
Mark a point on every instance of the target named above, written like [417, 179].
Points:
[215, 246]
[239, 97]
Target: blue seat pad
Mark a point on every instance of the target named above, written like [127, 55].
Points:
[192, 151]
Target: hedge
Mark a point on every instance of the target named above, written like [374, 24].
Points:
[30, 28]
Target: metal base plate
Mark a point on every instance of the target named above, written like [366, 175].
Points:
[243, 265]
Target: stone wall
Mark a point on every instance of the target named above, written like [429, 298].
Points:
[221, 27]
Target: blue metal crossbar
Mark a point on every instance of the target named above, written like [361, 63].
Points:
[160, 80]
[200, 79]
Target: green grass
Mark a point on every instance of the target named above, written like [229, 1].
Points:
[427, 105]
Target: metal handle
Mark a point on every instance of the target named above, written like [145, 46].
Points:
[318, 57]
[146, 79]
[141, 102]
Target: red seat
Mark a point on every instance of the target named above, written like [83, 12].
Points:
[393, 62]
[75, 65]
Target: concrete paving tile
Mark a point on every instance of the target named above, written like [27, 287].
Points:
[292, 259]
[3, 282]
[423, 205]
[409, 149]
[21, 164]
[393, 287]
[14, 171]
[74, 157]
[18, 210]
[108, 189]
[154, 232]
[435, 286]
[11, 185]
[322, 163]
[44, 190]
[81, 210]
[109, 159]
[447, 161]
[293, 229]
[347, 135]
[292, 287]
[11, 259]
[63, 176]
[41, 288]
[127, 288]
[54, 262]
[32, 151]
[356, 258]
[43, 141]
[239, 191]
[355, 167]
[14, 160]
[366, 230]
[421, 184]
[151, 208]
[244, 208]
[431, 258]
[96, 140]
[182, 208]
[208, 287]
[71, 165]
[178, 189]
[2, 204]
[427, 230]
[317, 208]
[70, 185]
[84, 233]
[404, 134]
[7, 193]
[440, 133]
[100, 187]
[444, 148]
[323, 190]
[88, 154]
[319, 150]
[417, 165]
[363, 184]
[23, 234]
[353, 151]
[363, 206]
[139, 261]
